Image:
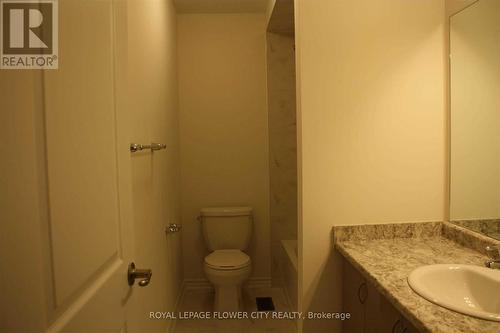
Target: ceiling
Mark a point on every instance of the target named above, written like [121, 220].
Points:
[221, 6]
[282, 18]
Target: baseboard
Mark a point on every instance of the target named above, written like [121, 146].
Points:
[197, 284]
[204, 284]
[258, 282]
[180, 296]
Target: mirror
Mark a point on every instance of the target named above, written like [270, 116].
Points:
[475, 118]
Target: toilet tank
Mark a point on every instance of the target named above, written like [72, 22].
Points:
[226, 227]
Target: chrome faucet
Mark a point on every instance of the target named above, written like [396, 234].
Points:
[493, 253]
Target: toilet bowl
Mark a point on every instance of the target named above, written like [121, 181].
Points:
[227, 270]
[227, 232]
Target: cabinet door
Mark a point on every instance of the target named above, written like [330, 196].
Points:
[381, 316]
[370, 311]
[409, 326]
[354, 294]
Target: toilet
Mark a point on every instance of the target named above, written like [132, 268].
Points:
[227, 232]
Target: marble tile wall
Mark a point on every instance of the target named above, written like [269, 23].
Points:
[282, 145]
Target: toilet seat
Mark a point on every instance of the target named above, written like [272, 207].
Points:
[231, 259]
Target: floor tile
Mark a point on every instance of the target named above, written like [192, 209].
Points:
[202, 300]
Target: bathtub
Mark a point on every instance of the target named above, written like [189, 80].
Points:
[289, 271]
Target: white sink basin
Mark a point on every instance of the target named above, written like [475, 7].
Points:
[471, 290]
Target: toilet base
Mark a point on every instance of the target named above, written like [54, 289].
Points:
[227, 285]
[228, 299]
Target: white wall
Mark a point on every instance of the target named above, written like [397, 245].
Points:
[372, 127]
[223, 128]
[475, 104]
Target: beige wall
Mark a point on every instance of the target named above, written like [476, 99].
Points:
[153, 103]
[475, 138]
[223, 127]
[372, 127]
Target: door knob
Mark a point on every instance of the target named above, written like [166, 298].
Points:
[143, 274]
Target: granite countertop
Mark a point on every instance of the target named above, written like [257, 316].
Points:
[386, 254]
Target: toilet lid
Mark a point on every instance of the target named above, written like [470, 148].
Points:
[227, 259]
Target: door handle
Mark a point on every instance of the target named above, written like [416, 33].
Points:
[143, 274]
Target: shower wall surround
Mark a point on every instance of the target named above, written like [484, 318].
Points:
[282, 150]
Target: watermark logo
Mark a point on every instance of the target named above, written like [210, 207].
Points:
[29, 34]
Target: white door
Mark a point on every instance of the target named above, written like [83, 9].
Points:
[87, 171]
[83, 167]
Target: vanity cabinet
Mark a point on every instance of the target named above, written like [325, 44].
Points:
[370, 311]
